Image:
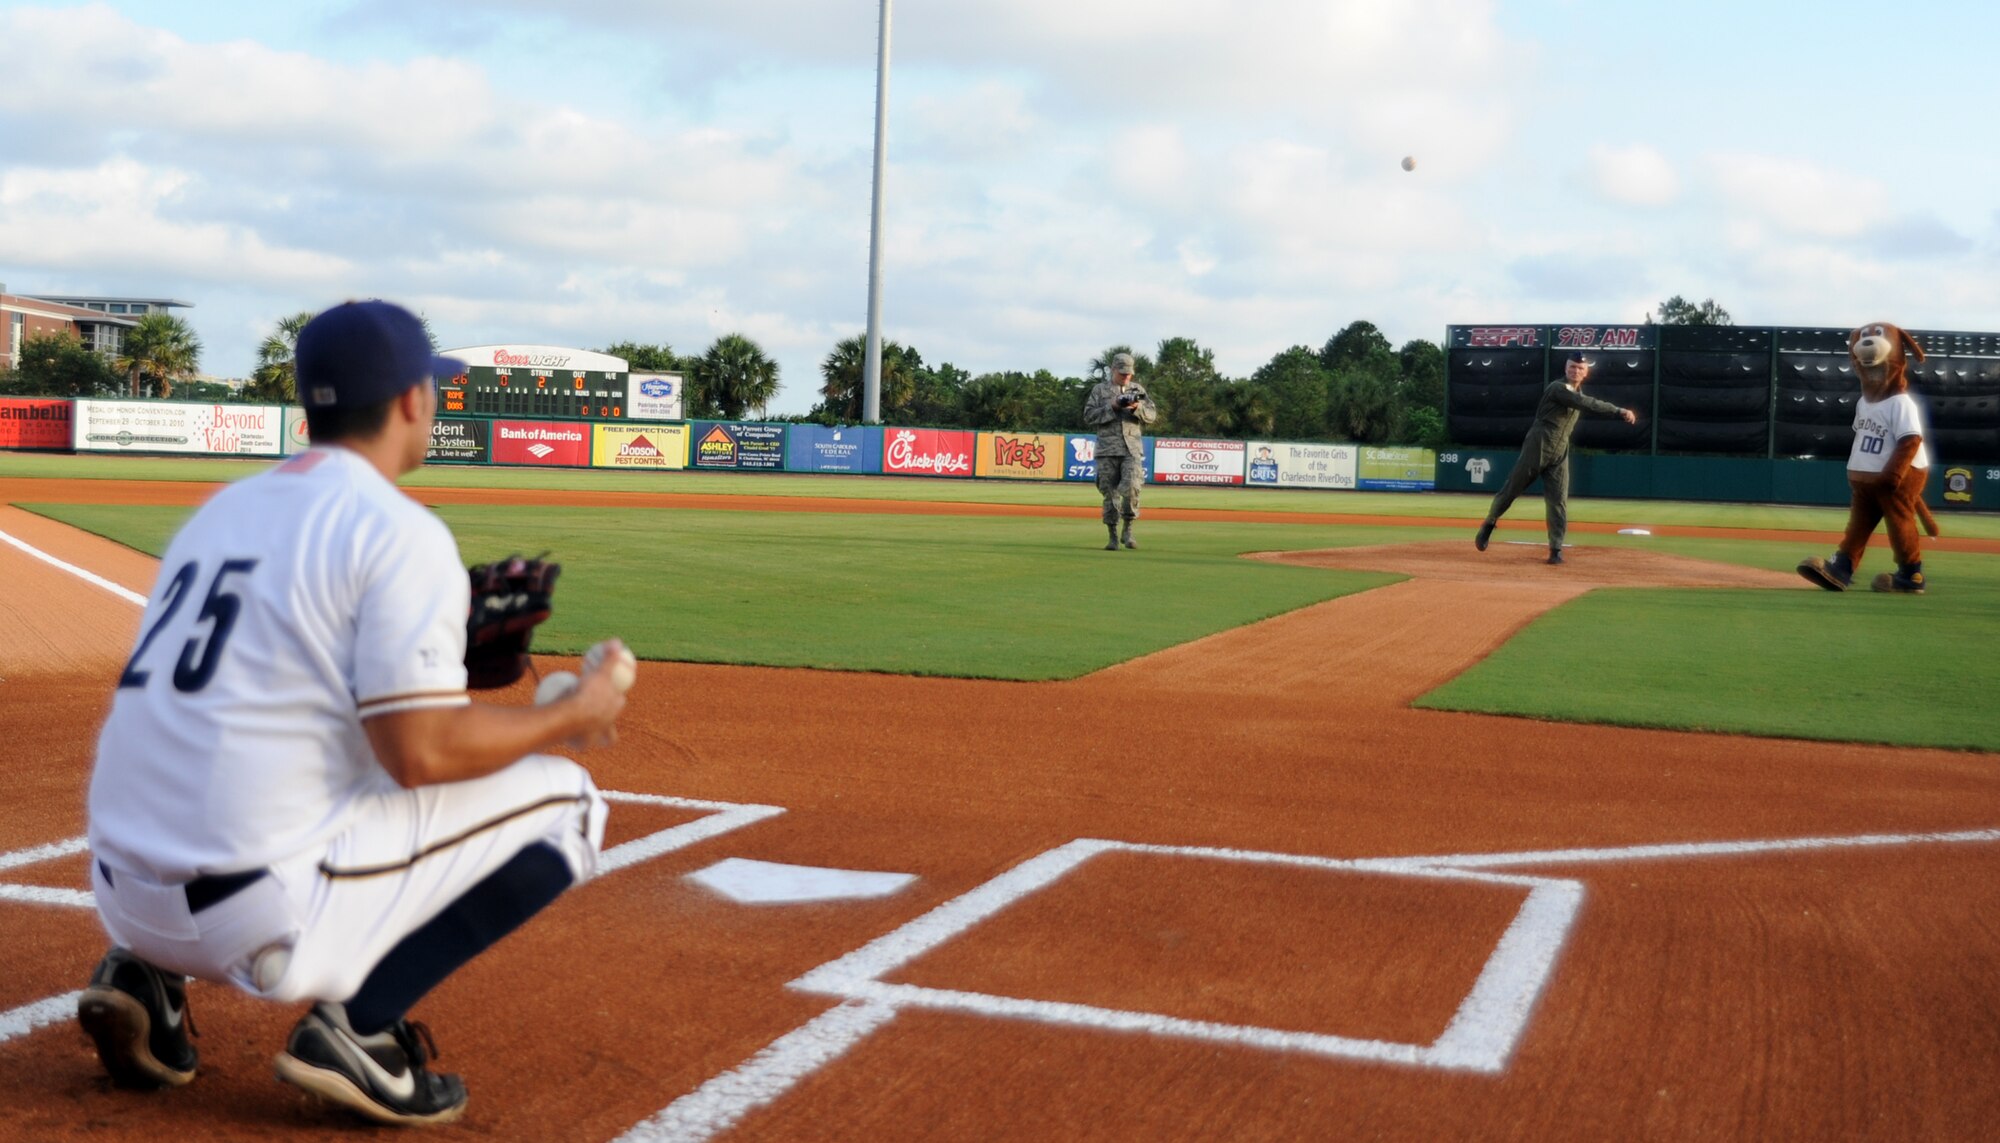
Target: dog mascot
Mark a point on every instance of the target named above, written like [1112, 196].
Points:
[1887, 468]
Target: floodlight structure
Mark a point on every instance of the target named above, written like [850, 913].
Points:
[871, 370]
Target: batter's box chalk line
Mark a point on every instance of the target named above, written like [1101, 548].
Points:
[718, 818]
[1480, 1038]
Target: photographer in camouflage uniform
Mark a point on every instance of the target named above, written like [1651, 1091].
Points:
[1117, 408]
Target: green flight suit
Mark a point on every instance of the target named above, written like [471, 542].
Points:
[1545, 454]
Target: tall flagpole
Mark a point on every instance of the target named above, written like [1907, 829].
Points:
[871, 373]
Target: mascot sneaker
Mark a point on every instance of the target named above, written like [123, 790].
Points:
[138, 1017]
[1908, 580]
[382, 1076]
[1834, 574]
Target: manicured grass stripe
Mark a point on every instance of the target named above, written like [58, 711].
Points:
[1004, 598]
[1855, 667]
[1454, 506]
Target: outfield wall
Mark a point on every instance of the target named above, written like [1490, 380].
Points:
[185, 428]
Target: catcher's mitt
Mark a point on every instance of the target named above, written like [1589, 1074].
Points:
[509, 598]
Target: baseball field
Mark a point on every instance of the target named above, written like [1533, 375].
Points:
[1303, 821]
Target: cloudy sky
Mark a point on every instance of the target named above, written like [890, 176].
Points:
[1064, 174]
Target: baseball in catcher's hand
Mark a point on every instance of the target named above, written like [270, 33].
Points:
[611, 655]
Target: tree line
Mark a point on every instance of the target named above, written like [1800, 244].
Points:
[1356, 386]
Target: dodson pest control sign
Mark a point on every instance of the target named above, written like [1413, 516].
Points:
[1198, 462]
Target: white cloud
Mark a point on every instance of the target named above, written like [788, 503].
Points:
[1637, 175]
[118, 216]
[1798, 197]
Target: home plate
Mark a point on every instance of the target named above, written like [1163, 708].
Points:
[768, 882]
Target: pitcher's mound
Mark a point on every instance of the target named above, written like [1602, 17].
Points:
[1524, 563]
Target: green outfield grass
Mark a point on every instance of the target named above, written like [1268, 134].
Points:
[1441, 505]
[1032, 598]
[1852, 667]
[1003, 598]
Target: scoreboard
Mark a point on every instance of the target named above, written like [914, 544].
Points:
[541, 381]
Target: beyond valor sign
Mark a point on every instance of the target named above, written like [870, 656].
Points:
[1198, 462]
[164, 426]
[460, 442]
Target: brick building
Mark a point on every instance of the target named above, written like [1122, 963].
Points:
[99, 322]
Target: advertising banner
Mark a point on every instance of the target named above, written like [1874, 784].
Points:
[540, 443]
[654, 396]
[1398, 470]
[725, 444]
[928, 452]
[1473, 470]
[1198, 462]
[297, 439]
[849, 448]
[1080, 457]
[1290, 464]
[163, 426]
[639, 446]
[28, 423]
[460, 441]
[1020, 456]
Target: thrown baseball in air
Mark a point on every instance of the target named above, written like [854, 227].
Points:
[624, 669]
[555, 685]
[1409, 163]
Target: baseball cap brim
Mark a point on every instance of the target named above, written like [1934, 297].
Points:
[443, 367]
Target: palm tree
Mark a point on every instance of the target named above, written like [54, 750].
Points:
[735, 374]
[276, 377]
[162, 349]
[842, 373]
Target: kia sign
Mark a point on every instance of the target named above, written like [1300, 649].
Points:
[1198, 462]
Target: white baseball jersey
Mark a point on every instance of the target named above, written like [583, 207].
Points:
[292, 605]
[1878, 426]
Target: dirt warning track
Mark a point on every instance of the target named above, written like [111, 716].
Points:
[1235, 889]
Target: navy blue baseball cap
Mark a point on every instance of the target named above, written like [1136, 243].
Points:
[1579, 358]
[363, 353]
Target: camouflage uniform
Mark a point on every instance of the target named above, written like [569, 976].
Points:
[1121, 447]
[1545, 454]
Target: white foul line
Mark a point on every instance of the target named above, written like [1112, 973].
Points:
[722, 818]
[41, 853]
[124, 593]
[720, 1103]
[28, 1017]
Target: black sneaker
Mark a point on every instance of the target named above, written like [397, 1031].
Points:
[381, 1076]
[1555, 555]
[1485, 534]
[138, 1015]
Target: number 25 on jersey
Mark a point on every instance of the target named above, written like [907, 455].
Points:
[202, 653]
